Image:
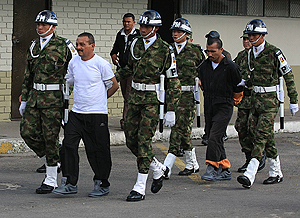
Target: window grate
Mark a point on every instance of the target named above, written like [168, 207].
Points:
[269, 8]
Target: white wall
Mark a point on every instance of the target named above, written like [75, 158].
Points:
[6, 30]
[283, 32]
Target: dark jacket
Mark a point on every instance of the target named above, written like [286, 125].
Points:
[119, 46]
[220, 84]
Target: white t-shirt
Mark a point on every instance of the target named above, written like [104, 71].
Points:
[90, 94]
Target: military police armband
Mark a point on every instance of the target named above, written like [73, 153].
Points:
[71, 47]
[284, 66]
[172, 71]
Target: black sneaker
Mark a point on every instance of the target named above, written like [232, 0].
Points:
[135, 196]
[44, 189]
[41, 169]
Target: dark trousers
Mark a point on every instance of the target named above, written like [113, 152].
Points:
[93, 130]
[217, 119]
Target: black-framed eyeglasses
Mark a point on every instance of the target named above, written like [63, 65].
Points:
[212, 34]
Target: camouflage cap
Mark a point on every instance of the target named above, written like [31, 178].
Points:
[245, 35]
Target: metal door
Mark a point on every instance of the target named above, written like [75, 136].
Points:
[169, 11]
[24, 30]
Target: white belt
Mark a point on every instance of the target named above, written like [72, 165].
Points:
[46, 87]
[143, 87]
[261, 89]
[187, 88]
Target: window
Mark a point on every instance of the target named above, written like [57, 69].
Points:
[269, 8]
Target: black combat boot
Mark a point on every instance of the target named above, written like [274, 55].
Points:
[243, 168]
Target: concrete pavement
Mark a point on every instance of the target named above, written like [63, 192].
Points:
[180, 196]
[11, 141]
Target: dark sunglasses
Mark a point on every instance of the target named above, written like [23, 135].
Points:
[211, 51]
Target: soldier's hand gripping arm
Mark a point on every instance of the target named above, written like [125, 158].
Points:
[112, 86]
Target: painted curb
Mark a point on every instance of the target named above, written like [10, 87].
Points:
[17, 145]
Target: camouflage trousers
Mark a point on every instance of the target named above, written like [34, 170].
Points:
[181, 132]
[241, 126]
[40, 129]
[261, 132]
[139, 127]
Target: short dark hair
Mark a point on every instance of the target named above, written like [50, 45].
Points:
[211, 41]
[89, 35]
[129, 15]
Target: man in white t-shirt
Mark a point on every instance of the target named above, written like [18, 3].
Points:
[94, 82]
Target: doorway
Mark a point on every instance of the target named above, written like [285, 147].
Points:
[24, 14]
[169, 10]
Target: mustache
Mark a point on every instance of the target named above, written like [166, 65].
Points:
[210, 56]
[79, 50]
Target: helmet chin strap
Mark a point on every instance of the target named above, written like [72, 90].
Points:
[179, 37]
[152, 31]
[256, 40]
[44, 32]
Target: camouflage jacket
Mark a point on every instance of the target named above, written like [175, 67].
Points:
[187, 61]
[242, 60]
[266, 73]
[47, 66]
[146, 67]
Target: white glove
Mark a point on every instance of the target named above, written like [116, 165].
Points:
[70, 79]
[197, 95]
[294, 108]
[169, 119]
[280, 94]
[22, 107]
[242, 83]
[108, 83]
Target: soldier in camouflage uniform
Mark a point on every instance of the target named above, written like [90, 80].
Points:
[188, 58]
[244, 107]
[149, 57]
[266, 63]
[42, 97]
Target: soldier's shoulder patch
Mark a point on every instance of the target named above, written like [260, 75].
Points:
[284, 67]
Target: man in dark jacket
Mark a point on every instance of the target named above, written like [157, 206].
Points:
[219, 79]
[119, 55]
